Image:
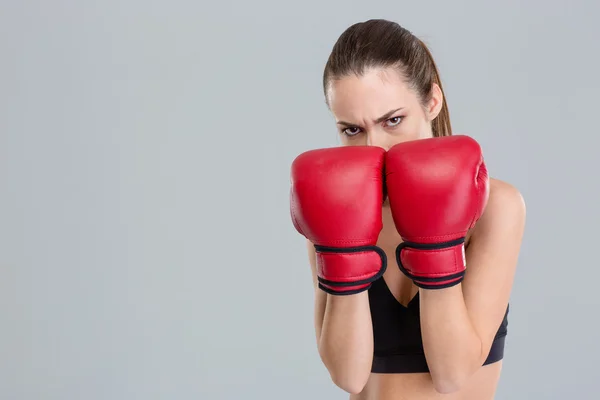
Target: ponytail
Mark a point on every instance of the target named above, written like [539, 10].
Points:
[441, 125]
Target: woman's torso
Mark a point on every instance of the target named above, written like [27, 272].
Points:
[417, 386]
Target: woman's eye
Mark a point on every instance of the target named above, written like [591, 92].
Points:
[351, 131]
[393, 121]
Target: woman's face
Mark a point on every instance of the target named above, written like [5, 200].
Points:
[379, 109]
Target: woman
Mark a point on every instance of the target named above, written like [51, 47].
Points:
[391, 338]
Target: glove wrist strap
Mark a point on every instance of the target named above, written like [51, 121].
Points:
[349, 270]
[433, 265]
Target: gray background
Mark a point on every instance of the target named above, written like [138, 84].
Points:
[146, 250]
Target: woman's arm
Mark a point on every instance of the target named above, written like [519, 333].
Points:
[459, 323]
[344, 334]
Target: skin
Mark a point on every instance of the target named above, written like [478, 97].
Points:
[380, 109]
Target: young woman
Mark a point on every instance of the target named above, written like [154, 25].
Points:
[392, 337]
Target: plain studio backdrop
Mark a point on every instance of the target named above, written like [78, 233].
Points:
[146, 249]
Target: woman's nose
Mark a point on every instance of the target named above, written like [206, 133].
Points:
[379, 139]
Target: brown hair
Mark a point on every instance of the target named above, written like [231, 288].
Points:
[379, 43]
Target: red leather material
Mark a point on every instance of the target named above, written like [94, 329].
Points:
[336, 202]
[348, 267]
[424, 263]
[438, 189]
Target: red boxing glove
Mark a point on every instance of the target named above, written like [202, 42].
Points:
[438, 189]
[336, 202]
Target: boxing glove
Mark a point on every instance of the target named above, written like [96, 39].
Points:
[336, 200]
[438, 188]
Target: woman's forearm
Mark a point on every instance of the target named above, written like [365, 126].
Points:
[452, 346]
[346, 341]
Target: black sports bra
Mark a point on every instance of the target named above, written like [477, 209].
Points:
[397, 334]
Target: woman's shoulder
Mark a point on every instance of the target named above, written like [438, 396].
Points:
[505, 209]
[505, 206]
[504, 194]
